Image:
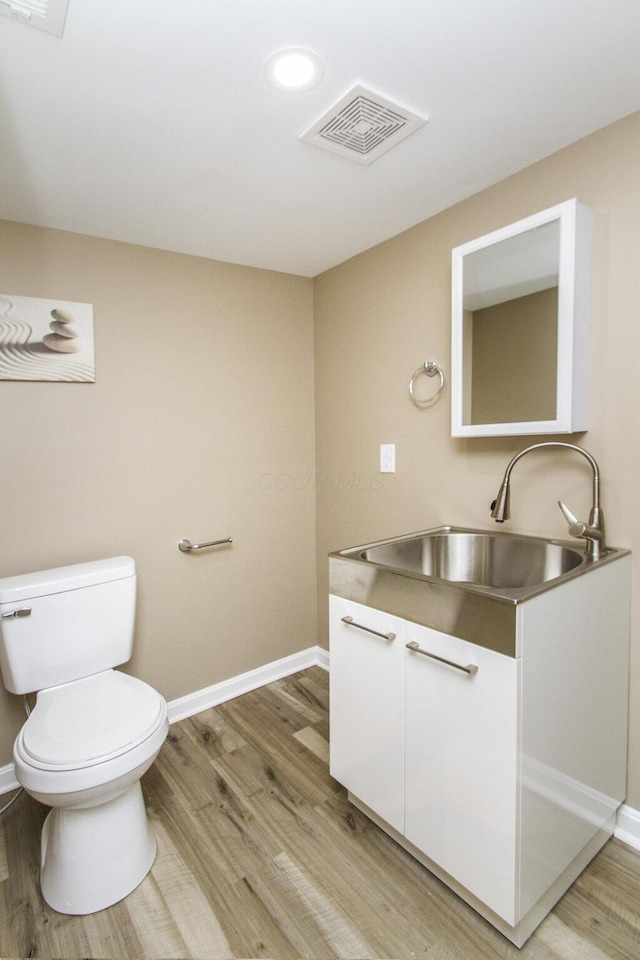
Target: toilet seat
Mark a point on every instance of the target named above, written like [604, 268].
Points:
[90, 721]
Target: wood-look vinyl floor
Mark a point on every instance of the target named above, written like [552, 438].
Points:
[260, 855]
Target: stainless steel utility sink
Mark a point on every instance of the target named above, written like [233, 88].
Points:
[466, 583]
[486, 559]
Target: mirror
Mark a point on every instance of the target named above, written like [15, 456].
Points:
[520, 327]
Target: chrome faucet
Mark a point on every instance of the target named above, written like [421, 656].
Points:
[592, 532]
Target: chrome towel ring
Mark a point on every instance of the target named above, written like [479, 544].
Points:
[432, 369]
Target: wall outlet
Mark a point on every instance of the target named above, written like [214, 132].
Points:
[387, 458]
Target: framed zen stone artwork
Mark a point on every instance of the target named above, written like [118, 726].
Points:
[46, 339]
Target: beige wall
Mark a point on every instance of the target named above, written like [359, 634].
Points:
[201, 412]
[381, 314]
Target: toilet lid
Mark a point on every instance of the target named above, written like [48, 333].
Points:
[92, 719]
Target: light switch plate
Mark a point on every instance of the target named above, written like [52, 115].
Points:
[387, 458]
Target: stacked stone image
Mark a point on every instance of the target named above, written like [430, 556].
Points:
[66, 336]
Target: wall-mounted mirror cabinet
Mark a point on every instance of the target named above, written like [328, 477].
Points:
[520, 327]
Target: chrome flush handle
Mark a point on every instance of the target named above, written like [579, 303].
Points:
[20, 612]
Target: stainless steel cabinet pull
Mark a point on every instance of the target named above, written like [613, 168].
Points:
[376, 633]
[22, 612]
[471, 668]
[186, 546]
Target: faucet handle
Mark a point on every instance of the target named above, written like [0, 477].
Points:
[576, 527]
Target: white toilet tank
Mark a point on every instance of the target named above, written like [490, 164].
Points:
[64, 624]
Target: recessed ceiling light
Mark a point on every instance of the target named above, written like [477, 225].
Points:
[295, 69]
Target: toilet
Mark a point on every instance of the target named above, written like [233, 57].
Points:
[92, 733]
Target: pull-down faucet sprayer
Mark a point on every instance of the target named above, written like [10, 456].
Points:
[592, 532]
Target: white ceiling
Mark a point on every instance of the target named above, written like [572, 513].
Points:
[152, 122]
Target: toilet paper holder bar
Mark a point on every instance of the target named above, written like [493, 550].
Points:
[186, 546]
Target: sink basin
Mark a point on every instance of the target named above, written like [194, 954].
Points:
[501, 561]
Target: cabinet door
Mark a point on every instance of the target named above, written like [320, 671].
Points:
[461, 764]
[367, 708]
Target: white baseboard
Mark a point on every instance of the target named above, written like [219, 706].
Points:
[7, 779]
[201, 700]
[628, 826]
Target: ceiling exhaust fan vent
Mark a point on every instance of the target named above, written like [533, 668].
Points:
[48, 15]
[362, 126]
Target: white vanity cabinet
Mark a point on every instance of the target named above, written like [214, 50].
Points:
[367, 706]
[499, 771]
[461, 762]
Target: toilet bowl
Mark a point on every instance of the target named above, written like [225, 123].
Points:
[91, 735]
[82, 752]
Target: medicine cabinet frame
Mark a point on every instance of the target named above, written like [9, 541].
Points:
[573, 318]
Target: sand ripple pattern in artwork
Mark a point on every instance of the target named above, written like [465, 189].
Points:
[22, 360]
